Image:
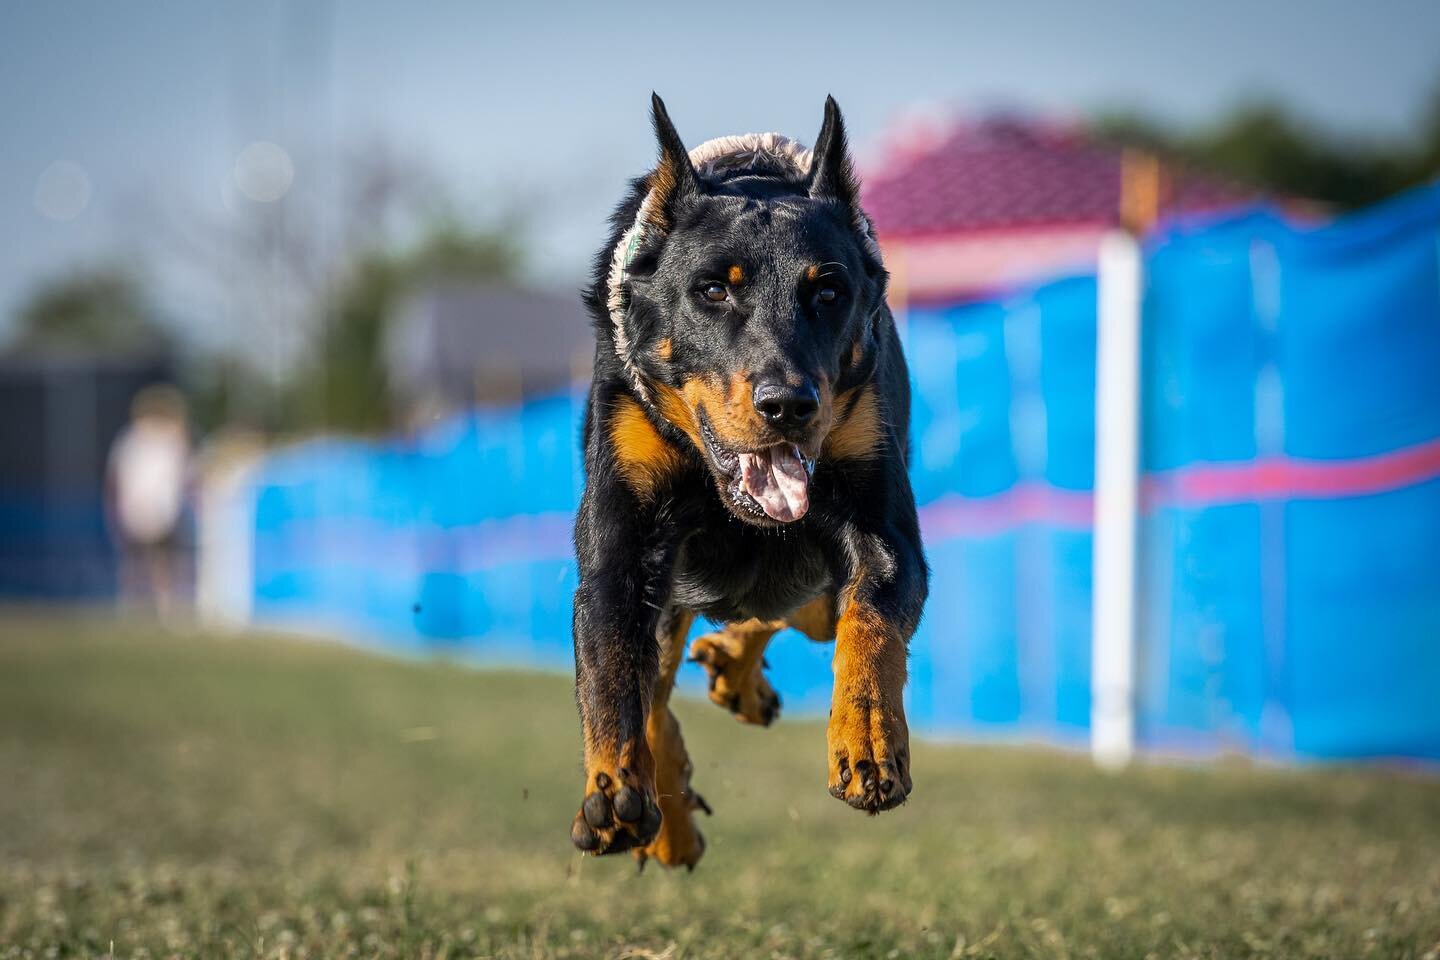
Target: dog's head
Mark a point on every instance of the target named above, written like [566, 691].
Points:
[742, 300]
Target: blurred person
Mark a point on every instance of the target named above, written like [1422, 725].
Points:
[147, 476]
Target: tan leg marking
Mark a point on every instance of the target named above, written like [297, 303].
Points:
[679, 841]
[868, 739]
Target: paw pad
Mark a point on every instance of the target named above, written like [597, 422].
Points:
[616, 815]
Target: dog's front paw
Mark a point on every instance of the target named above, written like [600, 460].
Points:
[869, 746]
[619, 811]
[737, 683]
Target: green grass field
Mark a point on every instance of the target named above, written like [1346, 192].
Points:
[189, 795]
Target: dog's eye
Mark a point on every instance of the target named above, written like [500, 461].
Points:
[714, 292]
[827, 294]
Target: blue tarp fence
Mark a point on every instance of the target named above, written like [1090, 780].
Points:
[1290, 525]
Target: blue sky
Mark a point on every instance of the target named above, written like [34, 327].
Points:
[154, 100]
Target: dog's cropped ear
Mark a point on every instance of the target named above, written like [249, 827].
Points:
[674, 178]
[832, 175]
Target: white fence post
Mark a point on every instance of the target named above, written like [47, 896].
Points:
[1117, 480]
[225, 536]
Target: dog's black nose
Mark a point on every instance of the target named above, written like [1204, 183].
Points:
[785, 406]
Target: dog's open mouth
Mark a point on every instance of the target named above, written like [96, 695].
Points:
[774, 480]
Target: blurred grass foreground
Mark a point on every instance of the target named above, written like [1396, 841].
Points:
[187, 795]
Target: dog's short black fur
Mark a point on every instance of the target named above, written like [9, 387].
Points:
[754, 331]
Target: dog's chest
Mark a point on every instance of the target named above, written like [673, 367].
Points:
[738, 574]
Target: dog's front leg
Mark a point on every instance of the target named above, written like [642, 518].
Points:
[624, 583]
[867, 736]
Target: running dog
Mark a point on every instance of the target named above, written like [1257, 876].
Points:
[745, 441]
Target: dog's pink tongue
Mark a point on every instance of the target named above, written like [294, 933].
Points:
[777, 480]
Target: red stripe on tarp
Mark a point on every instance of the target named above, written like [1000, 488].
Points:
[1189, 487]
[1286, 478]
[954, 515]
[530, 538]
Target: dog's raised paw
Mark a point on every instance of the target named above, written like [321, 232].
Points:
[737, 683]
[869, 754]
[619, 813]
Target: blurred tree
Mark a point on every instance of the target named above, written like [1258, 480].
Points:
[343, 383]
[302, 286]
[270, 266]
[226, 392]
[102, 310]
[1429, 152]
[1265, 145]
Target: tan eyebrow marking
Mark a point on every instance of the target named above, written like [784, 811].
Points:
[812, 272]
[736, 274]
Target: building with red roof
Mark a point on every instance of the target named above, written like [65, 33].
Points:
[976, 208]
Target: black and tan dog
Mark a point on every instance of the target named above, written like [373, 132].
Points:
[745, 452]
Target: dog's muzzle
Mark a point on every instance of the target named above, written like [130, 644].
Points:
[773, 481]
